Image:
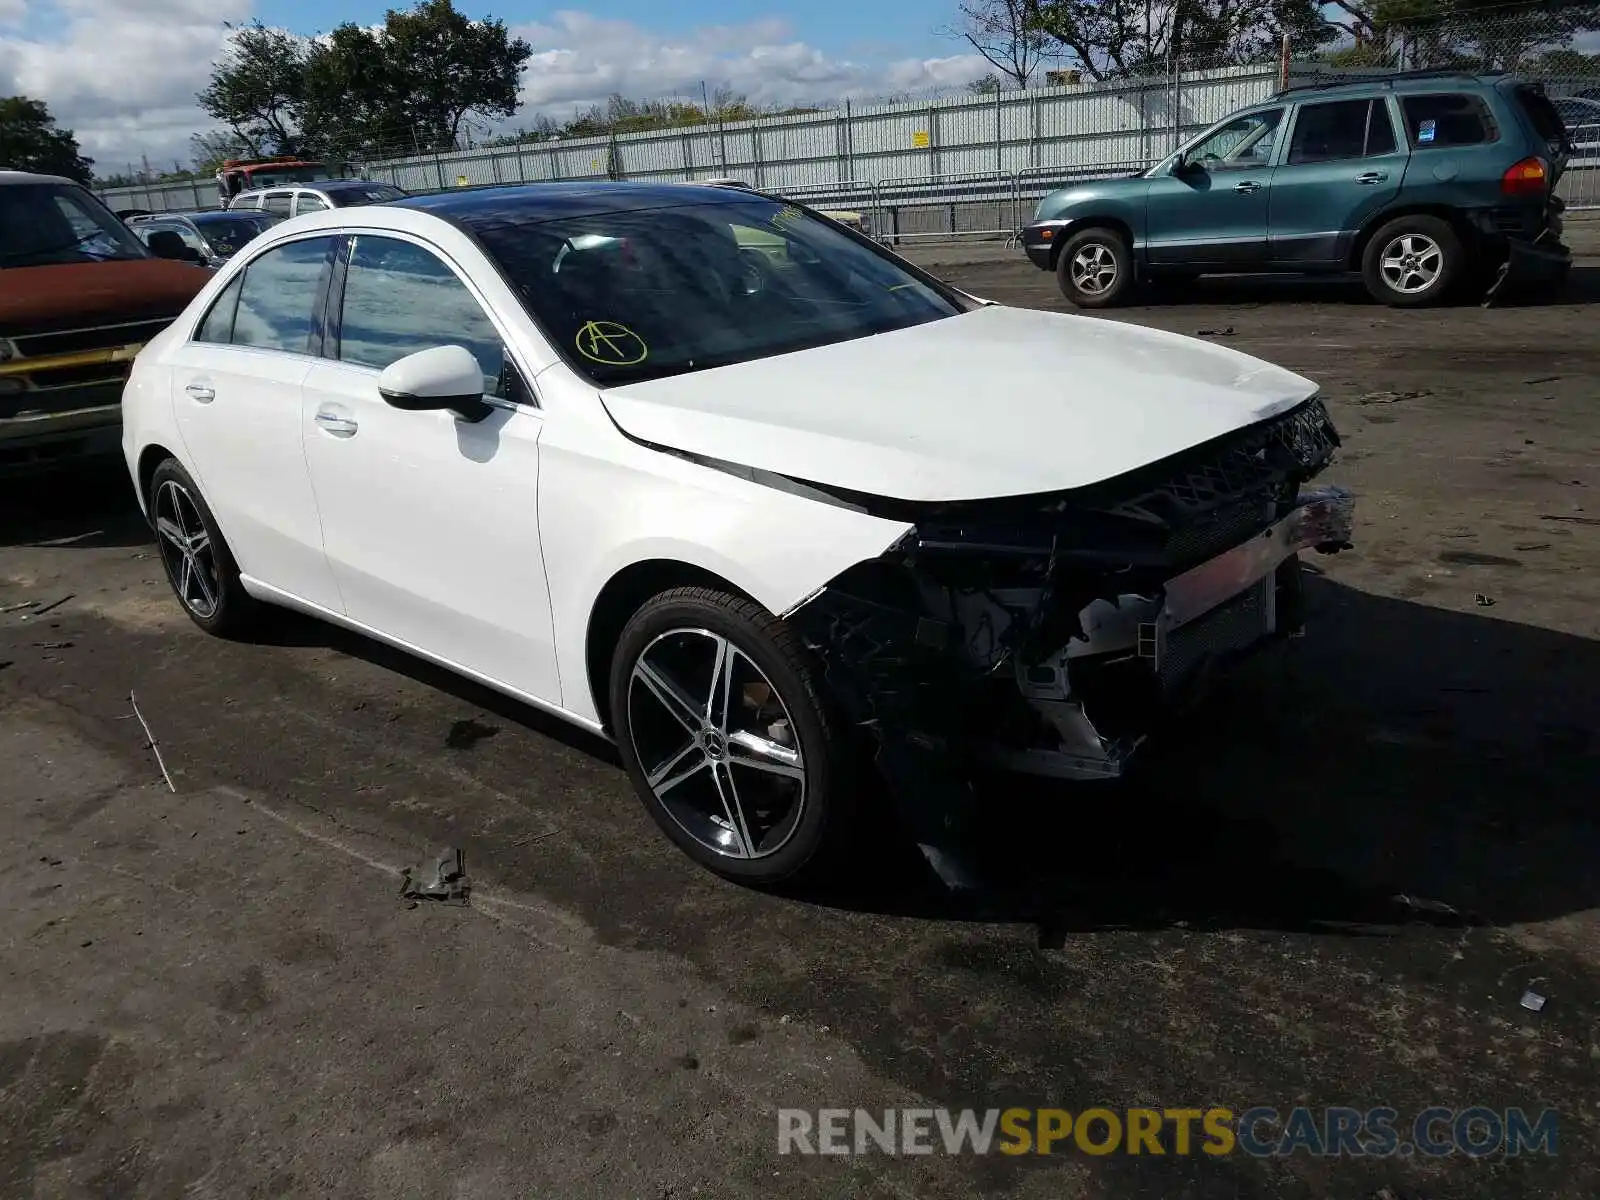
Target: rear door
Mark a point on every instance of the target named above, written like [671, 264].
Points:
[1344, 163]
[237, 400]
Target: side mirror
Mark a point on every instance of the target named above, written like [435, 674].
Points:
[445, 377]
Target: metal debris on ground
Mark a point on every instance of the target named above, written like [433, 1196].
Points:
[444, 878]
[150, 737]
[18, 606]
[1391, 397]
[468, 733]
[1421, 904]
[1574, 520]
[1542, 379]
[52, 645]
[1482, 601]
[1532, 1001]
[53, 604]
[66, 541]
[1228, 332]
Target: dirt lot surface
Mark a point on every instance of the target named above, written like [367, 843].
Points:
[217, 992]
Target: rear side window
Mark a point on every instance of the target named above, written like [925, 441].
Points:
[277, 203]
[278, 300]
[1448, 119]
[309, 202]
[1542, 114]
[1341, 129]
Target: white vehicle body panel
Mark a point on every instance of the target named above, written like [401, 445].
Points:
[995, 402]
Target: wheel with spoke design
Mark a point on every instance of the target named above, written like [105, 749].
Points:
[197, 560]
[727, 737]
[1412, 261]
[1095, 268]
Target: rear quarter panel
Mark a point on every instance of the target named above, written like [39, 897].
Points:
[1463, 177]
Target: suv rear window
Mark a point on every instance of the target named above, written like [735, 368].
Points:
[1541, 114]
[1448, 119]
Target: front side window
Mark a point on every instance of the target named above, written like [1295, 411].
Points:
[278, 300]
[217, 327]
[626, 296]
[1341, 129]
[1447, 119]
[400, 298]
[309, 202]
[277, 203]
[48, 223]
[1244, 142]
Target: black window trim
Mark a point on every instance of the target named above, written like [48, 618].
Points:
[333, 316]
[317, 338]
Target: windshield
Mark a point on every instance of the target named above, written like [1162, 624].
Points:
[45, 223]
[227, 235]
[637, 295]
[367, 193]
[278, 176]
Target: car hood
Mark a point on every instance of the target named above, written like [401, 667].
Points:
[70, 295]
[1091, 192]
[995, 402]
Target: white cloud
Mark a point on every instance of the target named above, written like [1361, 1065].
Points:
[581, 59]
[123, 76]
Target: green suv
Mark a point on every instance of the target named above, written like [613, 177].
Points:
[1423, 182]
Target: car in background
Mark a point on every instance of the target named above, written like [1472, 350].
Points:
[756, 517]
[214, 237]
[297, 199]
[80, 295]
[1421, 182]
[1581, 116]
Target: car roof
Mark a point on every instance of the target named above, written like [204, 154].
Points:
[574, 199]
[1407, 82]
[18, 177]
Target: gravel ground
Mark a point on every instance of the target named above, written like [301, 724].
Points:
[216, 991]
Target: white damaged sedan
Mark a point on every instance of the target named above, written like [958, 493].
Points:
[699, 471]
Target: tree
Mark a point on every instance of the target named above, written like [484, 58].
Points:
[257, 87]
[30, 141]
[208, 151]
[1002, 31]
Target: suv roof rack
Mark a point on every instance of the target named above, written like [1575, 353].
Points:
[1388, 81]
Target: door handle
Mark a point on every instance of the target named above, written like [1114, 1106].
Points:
[1247, 187]
[1371, 177]
[338, 426]
[202, 392]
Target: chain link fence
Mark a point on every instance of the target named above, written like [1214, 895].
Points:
[974, 166]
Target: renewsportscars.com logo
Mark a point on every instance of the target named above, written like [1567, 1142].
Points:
[1259, 1132]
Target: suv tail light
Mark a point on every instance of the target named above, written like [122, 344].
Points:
[1529, 177]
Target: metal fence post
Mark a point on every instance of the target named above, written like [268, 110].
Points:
[522, 170]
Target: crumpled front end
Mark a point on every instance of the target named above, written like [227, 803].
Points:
[1051, 633]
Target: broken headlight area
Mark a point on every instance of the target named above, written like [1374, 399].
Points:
[1050, 633]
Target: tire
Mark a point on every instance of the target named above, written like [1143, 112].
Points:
[210, 591]
[782, 828]
[1089, 249]
[1402, 252]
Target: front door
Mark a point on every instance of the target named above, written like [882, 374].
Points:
[237, 402]
[1210, 210]
[1343, 165]
[430, 522]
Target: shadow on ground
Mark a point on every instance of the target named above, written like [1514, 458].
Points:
[88, 504]
[1582, 288]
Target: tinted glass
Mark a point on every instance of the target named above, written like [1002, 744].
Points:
[228, 235]
[367, 193]
[1246, 141]
[309, 202]
[400, 298]
[279, 298]
[59, 223]
[636, 295]
[1380, 129]
[277, 203]
[218, 324]
[1447, 120]
[1325, 132]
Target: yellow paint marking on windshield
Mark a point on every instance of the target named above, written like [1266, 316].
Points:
[785, 216]
[611, 344]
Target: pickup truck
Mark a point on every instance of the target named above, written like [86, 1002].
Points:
[80, 295]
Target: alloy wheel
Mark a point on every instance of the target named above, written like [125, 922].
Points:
[716, 744]
[1411, 263]
[186, 549]
[1094, 269]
